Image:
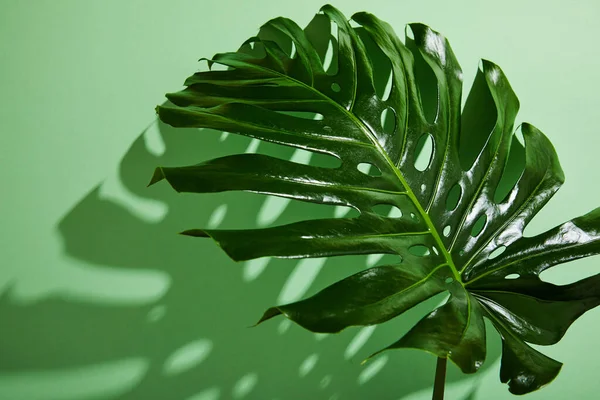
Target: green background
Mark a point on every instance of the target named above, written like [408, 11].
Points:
[99, 299]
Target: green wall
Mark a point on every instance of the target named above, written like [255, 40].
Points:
[99, 299]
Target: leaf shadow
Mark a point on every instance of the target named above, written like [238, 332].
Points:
[209, 298]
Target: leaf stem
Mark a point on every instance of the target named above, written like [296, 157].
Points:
[440, 379]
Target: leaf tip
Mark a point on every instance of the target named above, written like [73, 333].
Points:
[195, 233]
[157, 176]
[270, 313]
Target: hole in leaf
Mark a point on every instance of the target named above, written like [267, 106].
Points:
[448, 281]
[381, 64]
[513, 169]
[497, 252]
[423, 157]
[331, 67]
[453, 198]
[447, 230]
[368, 169]
[414, 217]
[387, 210]
[269, 32]
[427, 83]
[336, 87]
[254, 49]
[219, 67]
[435, 250]
[577, 270]
[476, 126]
[325, 45]
[419, 250]
[388, 120]
[328, 61]
[423, 187]
[512, 276]
[479, 225]
[388, 87]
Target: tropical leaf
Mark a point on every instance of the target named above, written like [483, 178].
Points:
[454, 218]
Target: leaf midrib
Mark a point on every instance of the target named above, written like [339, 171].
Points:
[409, 192]
[370, 135]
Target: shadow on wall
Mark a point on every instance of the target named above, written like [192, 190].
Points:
[194, 342]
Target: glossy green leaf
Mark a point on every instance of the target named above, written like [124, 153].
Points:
[455, 216]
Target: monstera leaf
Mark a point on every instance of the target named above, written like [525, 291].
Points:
[450, 222]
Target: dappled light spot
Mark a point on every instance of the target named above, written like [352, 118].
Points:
[453, 197]
[447, 230]
[387, 210]
[414, 217]
[157, 313]
[300, 280]
[307, 365]
[395, 212]
[187, 357]
[512, 276]
[423, 187]
[388, 120]
[336, 87]
[283, 326]
[368, 169]
[253, 268]
[252, 146]
[326, 381]
[419, 250]
[303, 115]
[341, 211]
[372, 259]
[153, 140]
[496, 252]
[372, 369]
[358, 341]
[208, 394]
[271, 209]
[479, 225]
[244, 386]
[217, 217]
[423, 152]
[386, 259]
[107, 380]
